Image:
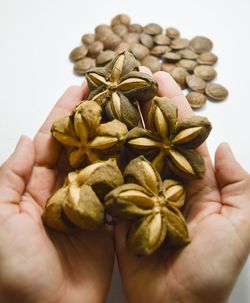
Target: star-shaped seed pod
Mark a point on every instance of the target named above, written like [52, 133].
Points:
[86, 138]
[78, 203]
[151, 205]
[170, 143]
[114, 86]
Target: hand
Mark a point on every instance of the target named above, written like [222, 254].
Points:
[35, 265]
[217, 212]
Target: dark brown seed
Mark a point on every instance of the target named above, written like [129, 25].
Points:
[123, 46]
[188, 54]
[196, 100]
[104, 57]
[179, 74]
[95, 48]
[152, 63]
[146, 40]
[78, 53]
[159, 50]
[216, 91]
[167, 67]
[135, 28]
[152, 29]
[139, 51]
[189, 65]
[120, 30]
[201, 44]
[121, 19]
[179, 43]
[131, 38]
[83, 65]
[111, 41]
[171, 57]
[207, 58]
[88, 39]
[196, 84]
[162, 40]
[205, 72]
[172, 33]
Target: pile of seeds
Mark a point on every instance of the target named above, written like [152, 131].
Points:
[190, 62]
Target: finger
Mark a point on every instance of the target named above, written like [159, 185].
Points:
[47, 150]
[169, 88]
[15, 173]
[227, 169]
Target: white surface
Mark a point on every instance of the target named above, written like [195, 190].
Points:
[37, 36]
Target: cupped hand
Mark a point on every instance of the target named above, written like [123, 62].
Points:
[39, 265]
[217, 212]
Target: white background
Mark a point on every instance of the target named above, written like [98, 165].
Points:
[37, 36]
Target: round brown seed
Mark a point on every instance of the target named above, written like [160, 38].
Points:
[88, 39]
[216, 91]
[131, 38]
[139, 51]
[146, 40]
[179, 74]
[152, 29]
[189, 65]
[167, 67]
[135, 28]
[121, 19]
[171, 57]
[104, 57]
[162, 40]
[207, 58]
[120, 30]
[111, 41]
[201, 44]
[172, 33]
[196, 100]
[195, 83]
[159, 50]
[95, 48]
[179, 43]
[83, 65]
[78, 53]
[152, 63]
[188, 54]
[101, 28]
[123, 46]
[205, 72]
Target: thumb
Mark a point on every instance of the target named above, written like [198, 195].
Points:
[16, 171]
[227, 169]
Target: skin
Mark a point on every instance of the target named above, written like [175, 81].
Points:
[41, 265]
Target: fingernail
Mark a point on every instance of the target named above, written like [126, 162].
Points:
[20, 142]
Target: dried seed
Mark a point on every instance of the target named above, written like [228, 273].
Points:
[103, 28]
[111, 41]
[159, 50]
[179, 74]
[78, 53]
[207, 58]
[104, 57]
[123, 46]
[146, 40]
[152, 63]
[152, 29]
[120, 30]
[188, 54]
[88, 39]
[131, 38]
[139, 51]
[171, 57]
[95, 48]
[189, 65]
[135, 28]
[179, 43]
[201, 44]
[205, 72]
[216, 91]
[83, 65]
[167, 67]
[172, 33]
[195, 83]
[121, 19]
[162, 40]
[196, 100]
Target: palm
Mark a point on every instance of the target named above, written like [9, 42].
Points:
[218, 227]
[48, 266]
